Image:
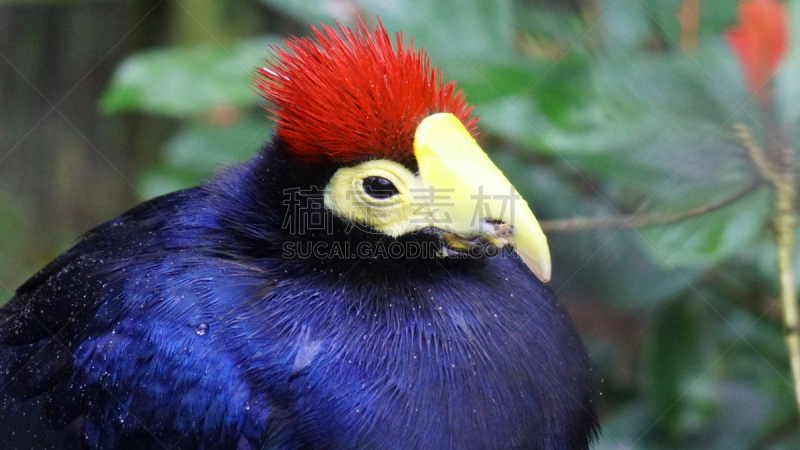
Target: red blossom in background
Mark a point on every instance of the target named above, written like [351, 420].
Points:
[759, 41]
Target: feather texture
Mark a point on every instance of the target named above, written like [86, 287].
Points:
[180, 325]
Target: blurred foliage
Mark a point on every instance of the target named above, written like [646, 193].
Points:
[187, 81]
[592, 110]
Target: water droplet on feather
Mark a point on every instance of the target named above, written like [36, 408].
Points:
[201, 329]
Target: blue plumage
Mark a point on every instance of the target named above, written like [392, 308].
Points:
[181, 325]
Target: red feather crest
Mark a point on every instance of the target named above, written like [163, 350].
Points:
[354, 97]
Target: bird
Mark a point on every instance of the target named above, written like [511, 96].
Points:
[368, 280]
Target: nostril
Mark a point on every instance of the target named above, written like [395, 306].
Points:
[501, 229]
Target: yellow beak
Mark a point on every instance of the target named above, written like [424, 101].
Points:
[468, 197]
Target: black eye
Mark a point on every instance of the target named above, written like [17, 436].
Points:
[379, 187]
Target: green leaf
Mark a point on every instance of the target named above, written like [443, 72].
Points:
[787, 89]
[516, 97]
[713, 376]
[556, 26]
[200, 150]
[673, 354]
[163, 180]
[623, 428]
[594, 264]
[13, 244]
[657, 129]
[658, 138]
[676, 375]
[187, 81]
[617, 268]
[638, 122]
[714, 18]
[677, 87]
[709, 238]
[625, 25]
[447, 30]
[205, 149]
[791, 442]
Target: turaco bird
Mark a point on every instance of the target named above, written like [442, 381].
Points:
[369, 280]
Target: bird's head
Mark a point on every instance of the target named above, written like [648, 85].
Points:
[398, 141]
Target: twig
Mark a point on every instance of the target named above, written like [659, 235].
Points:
[689, 20]
[642, 220]
[784, 222]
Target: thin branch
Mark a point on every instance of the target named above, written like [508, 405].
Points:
[643, 220]
[784, 223]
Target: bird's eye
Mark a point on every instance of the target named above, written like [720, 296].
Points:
[379, 188]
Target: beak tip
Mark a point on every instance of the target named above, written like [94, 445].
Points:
[540, 267]
[543, 273]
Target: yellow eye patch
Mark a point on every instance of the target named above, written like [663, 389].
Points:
[346, 196]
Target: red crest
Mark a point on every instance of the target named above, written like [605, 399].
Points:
[354, 97]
